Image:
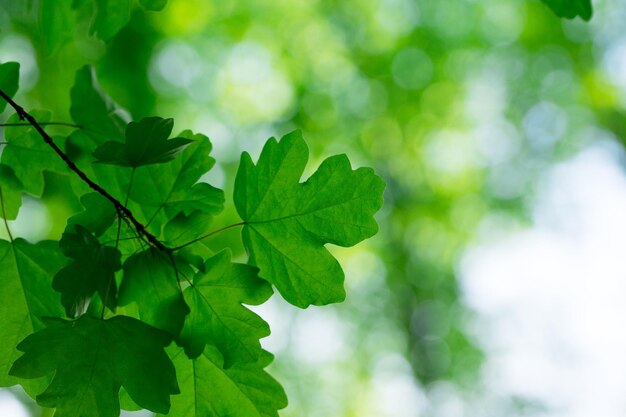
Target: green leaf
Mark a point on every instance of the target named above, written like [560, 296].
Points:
[92, 270]
[100, 118]
[163, 191]
[217, 315]
[26, 295]
[150, 281]
[146, 143]
[28, 155]
[288, 222]
[153, 5]
[56, 23]
[11, 192]
[91, 359]
[98, 216]
[571, 8]
[110, 17]
[210, 390]
[9, 80]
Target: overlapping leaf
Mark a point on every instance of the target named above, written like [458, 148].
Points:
[98, 216]
[208, 389]
[9, 80]
[217, 315]
[288, 222]
[26, 295]
[91, 359]
[11, 192]
[150, 280]
[571, 8]
[146, 143]
[92, 270]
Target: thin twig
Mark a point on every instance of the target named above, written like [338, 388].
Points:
[4, 216]
[125, 212]
[44, 124]
[230, 226]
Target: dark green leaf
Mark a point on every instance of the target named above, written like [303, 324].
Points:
[26, 295]
[101, 119]
[288, 222]
[92, 270]
[210, 390]
[98, 216]
[150, 281]
[153, 5]
[91, 359]
[571, 8]
[146, 143]
[217, 315]
[9, 80]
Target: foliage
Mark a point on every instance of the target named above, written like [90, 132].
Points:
[128, 274]
[571, 8]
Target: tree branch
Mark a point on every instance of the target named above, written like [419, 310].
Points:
[140, 228]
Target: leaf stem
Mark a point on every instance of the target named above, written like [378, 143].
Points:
[43, 124]
[230, 226]
[4, 216]
[130, 186]
[126, 213]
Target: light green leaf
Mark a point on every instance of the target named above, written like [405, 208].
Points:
[571, 8]
[26, 296]
[210, 390]
[146, 143]
[91, 359]
[288, 222]
[56, 23]
[28, 155]
[110, 17]
[9, 80]
[92, 270]
[150, 281]
[11, 189]
[217, 315]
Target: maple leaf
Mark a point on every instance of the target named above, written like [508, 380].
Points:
[217, 316]
[92, 358]
[92, 270]
[288, 222]
[146, 143]
[208, 389]
[11, 192]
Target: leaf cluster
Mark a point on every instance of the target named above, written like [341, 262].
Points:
[127, 310]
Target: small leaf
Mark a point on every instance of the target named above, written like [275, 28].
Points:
[571, 8]
[9, 81]
[210, 390]
[11, 189]
[91, 359]
[28, 155]
[146, 143]
[150, 281]
[110, 17]
[217, 315]
[92, 270]
[288, 222]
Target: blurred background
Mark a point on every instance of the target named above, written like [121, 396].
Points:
[495, 286]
